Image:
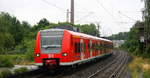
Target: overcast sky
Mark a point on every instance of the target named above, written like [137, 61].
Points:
[113, 15]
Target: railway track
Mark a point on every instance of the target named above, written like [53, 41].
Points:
[113, 69]
[89, 69]
[119, 70]
[103, 68]
[108, 67]
[71, 73]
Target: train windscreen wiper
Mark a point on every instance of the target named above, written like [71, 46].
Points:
[51, 46]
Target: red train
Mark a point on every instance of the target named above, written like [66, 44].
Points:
[66, 48]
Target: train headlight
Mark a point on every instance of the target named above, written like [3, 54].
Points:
[64, 54]
[38, 55]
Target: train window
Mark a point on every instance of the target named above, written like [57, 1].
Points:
[94, 47]
[89, 47]
[102, 48]
[51, 41]
[111, 46]
[105, 47]
[108, 46]
[77, 47]
[97, 47]
[84, 47]
[50, 44]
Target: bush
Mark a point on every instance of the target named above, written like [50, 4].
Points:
[30, 50]
[5, 73]
[146, 74]
[17, 58]
[147, 50]
[5, 62]
[20, 70]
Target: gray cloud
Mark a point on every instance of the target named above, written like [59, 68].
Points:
[106, 12]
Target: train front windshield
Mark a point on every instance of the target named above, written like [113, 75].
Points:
[51, 41]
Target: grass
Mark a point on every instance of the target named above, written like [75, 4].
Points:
[140, 67]
[19, 59]
[5, 62]
[20, 70]
[4, 73]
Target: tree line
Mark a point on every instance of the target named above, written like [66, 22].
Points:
[19, 37]
[133, 43]
[119, 36]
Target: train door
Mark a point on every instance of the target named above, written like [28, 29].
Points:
[90, 48]
[102, 45]
[98, 47]
[82, 49]
[93, 48]
[76, 49]
[87, 48]
[86, 51]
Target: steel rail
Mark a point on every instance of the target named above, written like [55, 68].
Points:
[100, 70]
[117, 73]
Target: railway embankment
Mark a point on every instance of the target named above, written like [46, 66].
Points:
[112, 66]
[109, 67]
[139, 67]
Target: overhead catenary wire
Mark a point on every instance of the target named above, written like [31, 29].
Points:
[84, 17]
[109, 13]
[104, 8]
[126, 16]
[54, 5]
[84, 11]
[88, 13]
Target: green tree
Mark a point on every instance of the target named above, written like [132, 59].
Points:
[16, 30]
[119, 36]
[12, 32]
[19, 37]
[89, 29]
[41, 24]
[146, 15]
[26, 28]
[132, 43]
[7, 40]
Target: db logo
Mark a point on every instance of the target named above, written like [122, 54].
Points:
[50, 56]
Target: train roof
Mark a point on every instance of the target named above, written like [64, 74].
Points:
[53, 29]
[78, 34]
[88, 36]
